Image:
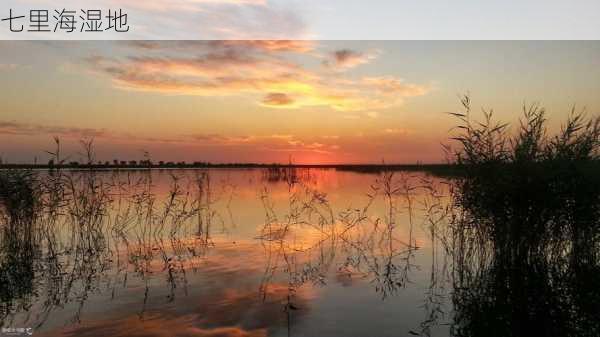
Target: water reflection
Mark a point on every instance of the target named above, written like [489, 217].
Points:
[18, 245]
[292, 252]
[525, 249]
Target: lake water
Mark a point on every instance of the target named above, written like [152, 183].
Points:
[238, 253]
[284, 252]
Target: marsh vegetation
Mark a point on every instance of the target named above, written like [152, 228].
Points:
[526, 239]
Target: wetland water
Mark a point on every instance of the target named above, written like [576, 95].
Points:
[260, 252]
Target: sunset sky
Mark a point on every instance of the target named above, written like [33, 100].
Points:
[264, 101]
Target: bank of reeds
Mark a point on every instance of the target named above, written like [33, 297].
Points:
[529, 190]
[525, 228]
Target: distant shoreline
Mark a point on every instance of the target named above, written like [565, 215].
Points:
[364, 168]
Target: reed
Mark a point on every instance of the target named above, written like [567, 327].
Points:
[524, 228]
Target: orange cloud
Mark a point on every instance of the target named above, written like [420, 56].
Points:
[272, 46]
[345, 58]
[237, 68]
[273, 142]
[389, 84]
[277, 99]
[298, 46]
[23, 129]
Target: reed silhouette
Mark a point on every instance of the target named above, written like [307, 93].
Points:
[525, 230]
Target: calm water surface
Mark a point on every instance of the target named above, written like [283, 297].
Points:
[239, 253]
